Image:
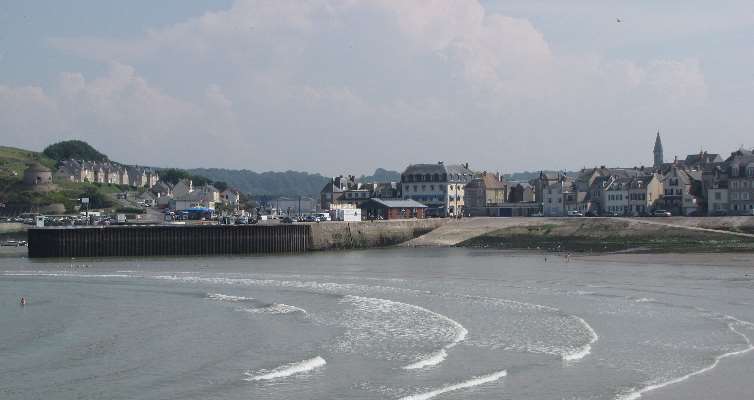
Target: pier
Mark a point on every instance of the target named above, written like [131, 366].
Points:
[167, 240]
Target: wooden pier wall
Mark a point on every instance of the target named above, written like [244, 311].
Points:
[167, 240]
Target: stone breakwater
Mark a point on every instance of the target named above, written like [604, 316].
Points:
[362, 235]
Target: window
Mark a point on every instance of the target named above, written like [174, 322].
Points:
[432, 187]
[718, 196]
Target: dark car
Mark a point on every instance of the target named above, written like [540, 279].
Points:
[662, 213]
[287, 220]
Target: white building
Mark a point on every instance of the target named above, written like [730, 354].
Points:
[438, 186]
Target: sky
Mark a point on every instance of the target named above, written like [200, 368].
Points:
[346, 86]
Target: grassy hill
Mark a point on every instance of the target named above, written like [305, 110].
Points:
[13, 162]
[17, 198]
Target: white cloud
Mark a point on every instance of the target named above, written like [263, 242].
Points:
[351, 85]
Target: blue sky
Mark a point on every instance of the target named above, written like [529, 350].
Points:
[347, 86]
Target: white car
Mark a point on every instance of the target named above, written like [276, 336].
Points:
[575, 213]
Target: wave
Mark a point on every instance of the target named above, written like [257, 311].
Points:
[645, 300]
[277, 308]
[288, 370]
[430, 360]
[636, 394]
[66, 275]
[480, 380]
[586, 349]
[226, 297]
[380, 306]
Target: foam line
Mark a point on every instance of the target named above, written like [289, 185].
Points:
[433, 358]
[430, 360]
[277, 308]
[587, 348]
[479, 380]
[225, 297]
[636, 394]
[289, 369]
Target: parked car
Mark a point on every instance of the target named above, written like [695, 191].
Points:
[662, 213]
[575, 213]
[719, 213]
[287, 220]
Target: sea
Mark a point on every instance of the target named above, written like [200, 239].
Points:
[403, 324]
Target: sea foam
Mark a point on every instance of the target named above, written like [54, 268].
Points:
[636, 394]
[225, 297]
[479, 380]
[277, 308]
[288, 370]
[586, 349]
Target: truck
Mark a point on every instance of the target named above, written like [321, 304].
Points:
[349, 215]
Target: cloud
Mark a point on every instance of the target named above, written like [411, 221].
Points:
[347, 85]
[119, 112]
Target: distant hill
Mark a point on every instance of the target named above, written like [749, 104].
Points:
[288, 183]
[526, 176]
[382, 175]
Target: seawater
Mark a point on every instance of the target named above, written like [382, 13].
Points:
[381, 324]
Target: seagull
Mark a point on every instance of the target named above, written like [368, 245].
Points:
[619, 20]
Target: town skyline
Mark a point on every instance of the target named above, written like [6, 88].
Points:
[274, 86]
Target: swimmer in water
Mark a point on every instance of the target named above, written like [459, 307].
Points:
[23, 301]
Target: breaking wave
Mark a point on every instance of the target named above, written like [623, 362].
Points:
[584, 350]
[732, 323]
[225, 297]
[287, 370]
[480, 380]
[376, 321]
[277, 308]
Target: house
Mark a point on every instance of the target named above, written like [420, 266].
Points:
[740, 170]
[543, 181]
[488, 190]
[615, 196]
[183, 187]
[643, 192]
[520, 192]
[231, 197]
[718, 198]
[332, 192]
[392, 209]
[556, 191]
[682, 191]
[137, 176]
[438, 186]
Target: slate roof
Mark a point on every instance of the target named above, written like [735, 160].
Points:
[408, 203]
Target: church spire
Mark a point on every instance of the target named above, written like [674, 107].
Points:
[658, 151]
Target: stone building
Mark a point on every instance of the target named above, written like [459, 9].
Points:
[38, 177]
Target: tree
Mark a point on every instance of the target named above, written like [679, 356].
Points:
[220, 185]
[73, 149]
[173, 175]
[97, 199]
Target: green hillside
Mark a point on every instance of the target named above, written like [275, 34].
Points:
[13, 162]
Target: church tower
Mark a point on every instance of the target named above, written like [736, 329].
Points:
[658, 151]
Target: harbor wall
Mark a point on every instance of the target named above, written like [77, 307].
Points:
[186, 240]
[167, 240]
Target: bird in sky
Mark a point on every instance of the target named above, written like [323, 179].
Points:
[619, 20]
